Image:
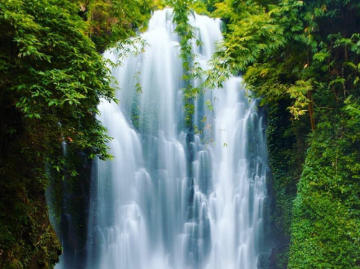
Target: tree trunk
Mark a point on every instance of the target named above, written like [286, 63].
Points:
[311, 110]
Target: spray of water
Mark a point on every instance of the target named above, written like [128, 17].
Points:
[173, 198]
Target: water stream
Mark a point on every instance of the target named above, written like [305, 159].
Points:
[171, 197]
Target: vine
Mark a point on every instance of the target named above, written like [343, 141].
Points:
[192, 70]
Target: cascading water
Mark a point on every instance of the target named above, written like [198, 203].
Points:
[172, 198]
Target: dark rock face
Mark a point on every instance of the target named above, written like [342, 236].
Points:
[69, 202]
[263, 261]
[27, 239]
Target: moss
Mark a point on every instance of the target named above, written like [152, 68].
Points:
[325, 225]
[27, 239]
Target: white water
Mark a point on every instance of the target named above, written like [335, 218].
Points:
[172, 199]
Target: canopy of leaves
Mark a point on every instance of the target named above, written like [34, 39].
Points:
[291, 48]
[306, 54]
[112, 21]
[52, 79]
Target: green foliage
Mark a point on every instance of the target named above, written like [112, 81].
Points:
[52, 79]
[182, 9]
[325, 228]
[288, 50]
[51, 67]
[287, 146]
[200, 7]
[112, 21]
[181, 13]
[305, 53]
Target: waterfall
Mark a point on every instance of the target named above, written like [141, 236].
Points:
[173, 198]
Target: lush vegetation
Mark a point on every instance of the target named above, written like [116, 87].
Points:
[300, 57]
[304, 54]
[51, 81]
[182, 11]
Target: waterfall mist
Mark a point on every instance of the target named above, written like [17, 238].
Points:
[172, 197]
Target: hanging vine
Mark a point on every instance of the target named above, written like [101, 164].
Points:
[192, 70]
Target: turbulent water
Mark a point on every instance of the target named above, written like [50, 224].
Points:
[172, 197]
